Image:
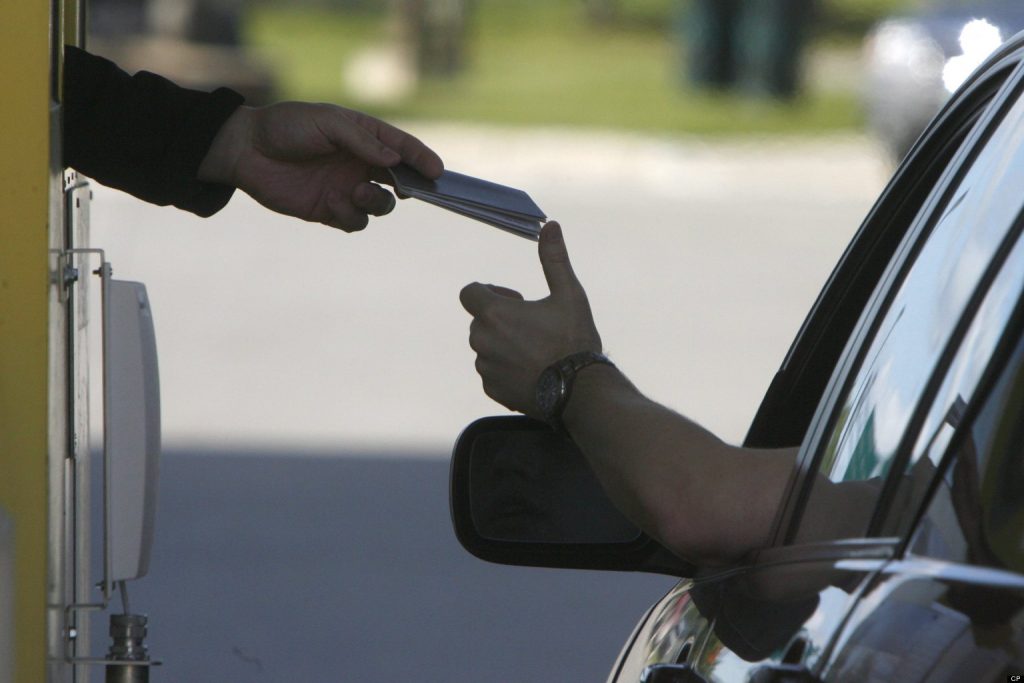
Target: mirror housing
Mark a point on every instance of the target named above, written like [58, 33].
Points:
[521, 494]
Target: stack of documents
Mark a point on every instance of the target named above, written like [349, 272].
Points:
[503, 207]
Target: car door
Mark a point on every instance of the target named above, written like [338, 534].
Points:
[781, 613]
[916, 360]
[949, 608]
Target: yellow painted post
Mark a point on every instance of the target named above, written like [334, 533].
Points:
[24, 286]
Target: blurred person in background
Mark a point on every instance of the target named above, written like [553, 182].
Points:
[713, 50]
[755, 45]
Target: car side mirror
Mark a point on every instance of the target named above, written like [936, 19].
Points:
[523, 494]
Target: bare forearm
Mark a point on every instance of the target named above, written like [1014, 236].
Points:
[707, 501]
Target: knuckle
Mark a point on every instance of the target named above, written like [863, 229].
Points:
[354, 222]
[467, 293]
[474, 335]
[492, 390]
[485, 316]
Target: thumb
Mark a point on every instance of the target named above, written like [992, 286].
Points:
[505, 292]
[554, 259]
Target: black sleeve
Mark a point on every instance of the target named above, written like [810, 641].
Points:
[142, 133]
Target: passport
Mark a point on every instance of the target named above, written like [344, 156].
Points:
[497, 205]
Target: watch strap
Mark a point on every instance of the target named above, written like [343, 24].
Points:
[567, 369]
[572, 364]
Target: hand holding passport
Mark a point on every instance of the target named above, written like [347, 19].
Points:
[503, 207]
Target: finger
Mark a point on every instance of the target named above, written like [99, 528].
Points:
[383, 177]
[505, 292]
[347, 132]
[420, 157]
[475, 298]
[486, 370]
[480, 365]
[349, 225]
[410, 148]
[554, 259]
[476, 334]
[344, 216]
[373, 199]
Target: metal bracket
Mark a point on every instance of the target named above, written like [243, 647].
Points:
[67, 276]
[100, 661]
[70, 635]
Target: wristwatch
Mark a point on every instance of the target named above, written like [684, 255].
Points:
[554, 386]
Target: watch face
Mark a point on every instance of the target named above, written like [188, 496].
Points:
[550, 389]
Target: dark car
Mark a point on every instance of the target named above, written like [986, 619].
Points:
[898, 549]
[915, 61]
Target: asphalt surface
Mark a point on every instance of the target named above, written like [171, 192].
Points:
[290, 567]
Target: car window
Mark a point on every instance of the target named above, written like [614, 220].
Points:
[957, 390]
[976, 513]
[914, 330]
[785, 413]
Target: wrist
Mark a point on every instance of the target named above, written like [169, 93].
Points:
[592, 383]
[220, 165]
[554, 386]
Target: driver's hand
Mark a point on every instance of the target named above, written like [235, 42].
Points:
[515, 340]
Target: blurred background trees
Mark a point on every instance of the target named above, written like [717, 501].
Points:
[696, 66]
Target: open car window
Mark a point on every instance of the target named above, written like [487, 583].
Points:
[793, 398]
[923, 307]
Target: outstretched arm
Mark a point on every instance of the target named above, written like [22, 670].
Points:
[142, 133]
[707, 501]
[166, 144]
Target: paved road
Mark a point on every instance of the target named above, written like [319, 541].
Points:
[290, 567]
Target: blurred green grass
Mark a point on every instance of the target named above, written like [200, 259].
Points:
[533, 62]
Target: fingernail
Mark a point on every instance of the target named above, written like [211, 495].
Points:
[553, 231]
